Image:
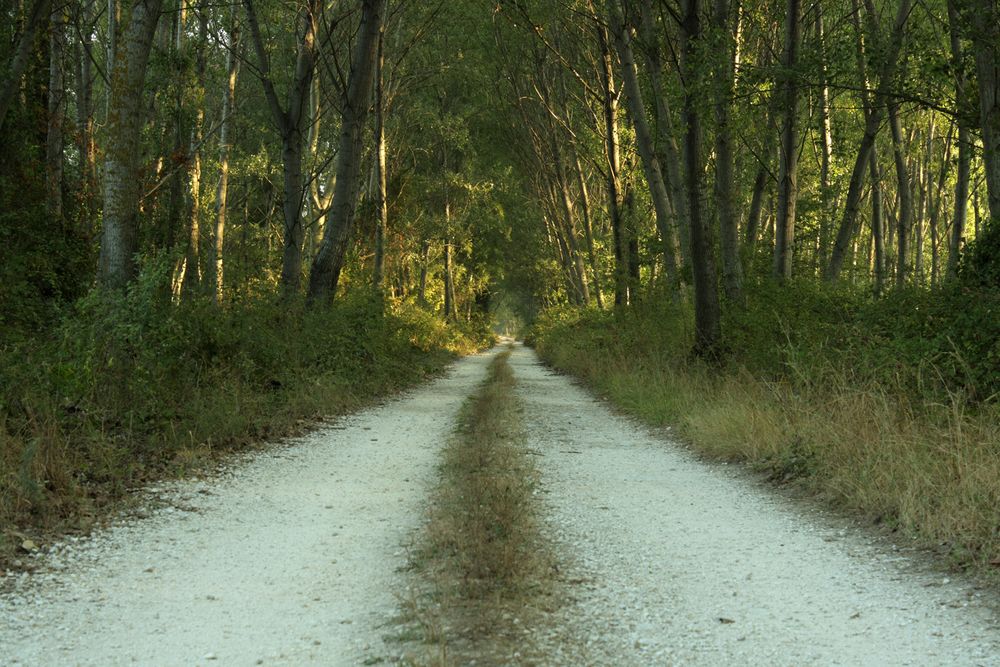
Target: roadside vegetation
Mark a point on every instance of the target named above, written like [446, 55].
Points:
[888, 408]
[124, 390]
[484, 568]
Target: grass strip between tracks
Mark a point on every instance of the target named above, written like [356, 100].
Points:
[483, 567]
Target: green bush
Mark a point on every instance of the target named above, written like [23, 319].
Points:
[130, 386]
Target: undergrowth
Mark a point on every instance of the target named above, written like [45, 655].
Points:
[123, 390]
[888, 409]
[481, 549]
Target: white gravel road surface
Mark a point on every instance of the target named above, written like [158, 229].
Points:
[290, 558]
[678, 562]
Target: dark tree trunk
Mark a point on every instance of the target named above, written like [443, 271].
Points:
[290, 123]
[329, 261]
[964, 146]
[784, 232]
[662, 206]
[708, 329]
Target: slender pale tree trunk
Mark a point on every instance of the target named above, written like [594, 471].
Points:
[588, 226]
[381, 197]
[425, 252]
[765, 173]
[566, 200]
[329, 261]
[878, 224]
[666, 148]
[192, 273]
[826, 139]
[122, 182]
[784, 232]
[450, 309]
[725, 201]
[609, 100]
[217, 265]
[85, 121]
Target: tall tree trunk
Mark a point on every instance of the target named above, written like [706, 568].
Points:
[192, 272]
[450, 309]
[964, 146]
[708, 329]
[905, 191]
[114, 24]
[985, 36]
[425, 251]
[56, 117]
[784, 231]
[609, 100]
[85, 121]
[564, 197]
[878, 224]
[662, 206]
[667, 151]
[729, 240]
[122, 183]
[175, 197]
[588, 226]
[826, 139]
[381, 202]
[329, 261]
[872, 122]
[22, 55]
[217, 265]
[290, 124]
[765, 174]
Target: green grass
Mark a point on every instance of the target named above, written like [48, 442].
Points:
[125, 390]
[813, 393]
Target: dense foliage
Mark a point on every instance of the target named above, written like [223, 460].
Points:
[214, 217]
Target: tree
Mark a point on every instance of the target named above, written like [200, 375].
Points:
[290, 120]
[122, 183]
[708, 327]
[784, 233]
[329, 261]
[35, 19]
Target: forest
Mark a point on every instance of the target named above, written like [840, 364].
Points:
[774, 225]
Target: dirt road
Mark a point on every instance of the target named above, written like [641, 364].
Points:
[686, 563]
[289, 559]
[292, 557]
